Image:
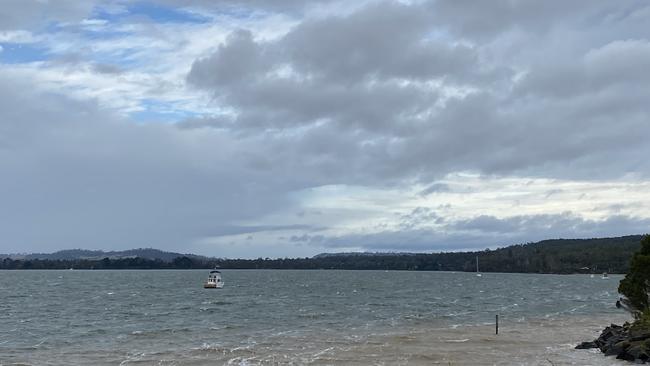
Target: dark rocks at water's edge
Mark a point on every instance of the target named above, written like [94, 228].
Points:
[626, 342]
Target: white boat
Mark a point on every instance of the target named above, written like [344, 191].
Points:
[605, 275]
[214, 280]
[478, 274]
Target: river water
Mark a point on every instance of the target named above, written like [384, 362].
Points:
[270, 317]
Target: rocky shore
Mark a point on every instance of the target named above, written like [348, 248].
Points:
[628, 342]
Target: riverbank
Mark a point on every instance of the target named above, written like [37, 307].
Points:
[630, 342]
[519, 342]
[531, 342]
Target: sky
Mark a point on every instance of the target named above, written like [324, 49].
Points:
[288, 128]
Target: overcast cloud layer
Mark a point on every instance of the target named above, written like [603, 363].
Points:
[289, 128]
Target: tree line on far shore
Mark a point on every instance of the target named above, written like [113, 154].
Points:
[562, 256]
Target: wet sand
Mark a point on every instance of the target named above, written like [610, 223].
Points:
[540, 342]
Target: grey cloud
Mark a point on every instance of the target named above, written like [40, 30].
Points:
[412, 240]
[75, 61]
[616, 208]
[566, 225]
[622, 62]
[552, 192]
[343, 80]
[485, 20]
[78, 177]
[386, 95]
[218, 231]
[216, 122]
[308, 239]
[103, 68]
[341, 70]
[491, 224]
[283, 6]
[26, 14]
[435, 188]
[420, 216]
[490, 232]
[238, 60]
[401, 130]
[383, 40]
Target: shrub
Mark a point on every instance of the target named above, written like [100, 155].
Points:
[636, 284]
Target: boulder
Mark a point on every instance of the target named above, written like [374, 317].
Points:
[617, 348]
[626, 342]
[639, 351]
[587, 345]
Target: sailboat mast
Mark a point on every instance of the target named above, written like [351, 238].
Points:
[477, 264]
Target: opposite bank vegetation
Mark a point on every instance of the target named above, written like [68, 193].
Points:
[562, 256]
[631, 341]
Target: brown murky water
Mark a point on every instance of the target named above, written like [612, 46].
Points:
[301, 318]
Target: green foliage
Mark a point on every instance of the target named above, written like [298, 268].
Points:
[636, 284]
[641, 325]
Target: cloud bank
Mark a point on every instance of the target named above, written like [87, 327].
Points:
[289, 128]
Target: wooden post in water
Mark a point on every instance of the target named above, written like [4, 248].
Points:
[497, 324]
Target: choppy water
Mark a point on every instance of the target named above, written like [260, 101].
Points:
[300, 317]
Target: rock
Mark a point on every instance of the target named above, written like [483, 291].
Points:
[609, 343]
[639, 351]
[639, 337]
[628, 342]
[617, 349]
[624, 356]
[587, 345]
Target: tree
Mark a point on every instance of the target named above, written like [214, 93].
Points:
[182, 262]
[636, 284]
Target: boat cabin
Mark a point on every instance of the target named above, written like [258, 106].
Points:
[214, 280]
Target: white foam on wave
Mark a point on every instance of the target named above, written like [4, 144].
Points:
[320, 353]
[209, 347]
[577, 308]
[506, 307]
[240, 361]
[456, 340]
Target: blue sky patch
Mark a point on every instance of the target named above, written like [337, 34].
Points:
[158, 111]
[157, 13]
[17, 53]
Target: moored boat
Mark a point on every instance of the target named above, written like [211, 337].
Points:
[214, 280]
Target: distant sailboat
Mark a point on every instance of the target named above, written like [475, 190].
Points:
[478, 274]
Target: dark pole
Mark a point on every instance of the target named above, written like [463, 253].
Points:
[497, 323]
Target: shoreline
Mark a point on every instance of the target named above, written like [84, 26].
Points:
[531, 342]
[535, 341]
[291, 269]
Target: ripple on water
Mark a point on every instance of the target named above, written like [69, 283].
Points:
[298, 317]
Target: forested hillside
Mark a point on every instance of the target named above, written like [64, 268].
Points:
[548, 256]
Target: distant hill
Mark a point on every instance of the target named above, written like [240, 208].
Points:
[548, 256]
[361, 254]
[77, 254]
